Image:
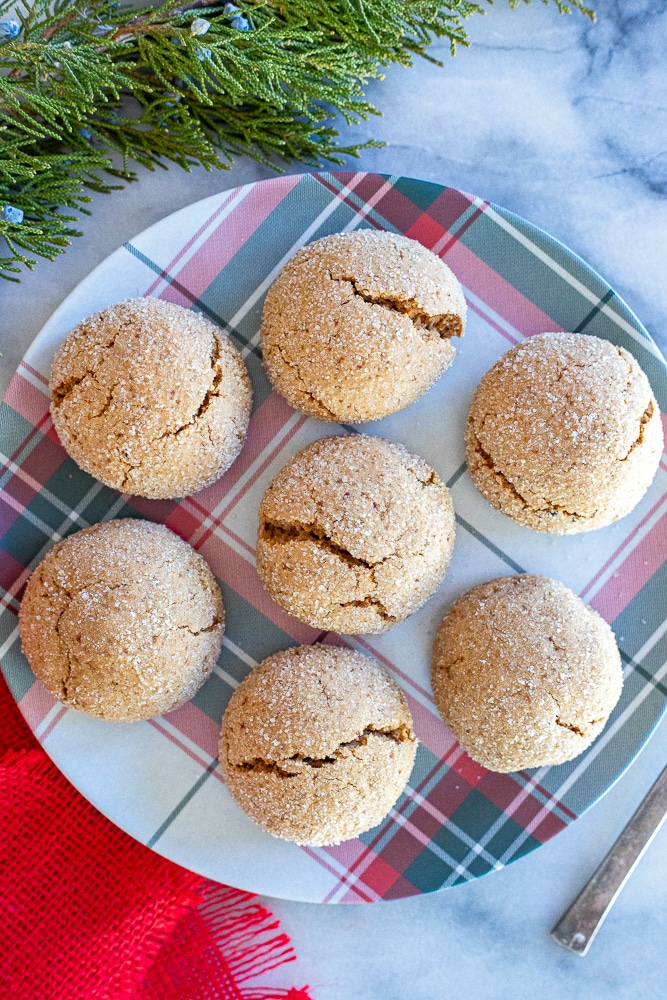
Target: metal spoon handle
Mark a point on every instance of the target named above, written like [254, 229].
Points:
[580, 923]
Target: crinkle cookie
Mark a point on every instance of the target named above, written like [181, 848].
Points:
[358, 325]
[317, 744]
[355, 534]
[524, 673]
[564, 433]
[122, 621]
[150, 398]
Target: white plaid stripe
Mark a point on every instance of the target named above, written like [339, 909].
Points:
[563, 273]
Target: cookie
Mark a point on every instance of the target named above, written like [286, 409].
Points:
[150, 398]
[355, 534]
[358, 325]
[524, 673]
[564, 433]
[122, 621]
[317, 744]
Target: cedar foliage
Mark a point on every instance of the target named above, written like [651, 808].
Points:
[90, 87]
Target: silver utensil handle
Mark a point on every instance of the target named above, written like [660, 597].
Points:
[580, 923]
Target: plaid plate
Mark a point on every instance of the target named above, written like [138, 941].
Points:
[159, 779]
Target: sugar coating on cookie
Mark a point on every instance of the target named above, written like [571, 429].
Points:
[150, 398]
[317, 744]
[564, 434]
[358, 325]
[524, 673]
[355, 534]
[122, 621]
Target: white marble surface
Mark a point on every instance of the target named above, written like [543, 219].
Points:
[564, 123]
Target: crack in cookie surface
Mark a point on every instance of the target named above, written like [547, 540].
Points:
[298, 761]
[546, 508]
[63, 390]
[370, 602]
[571, 726]
[302, 385]
[281, 534]
[645, 419]
[446, 325]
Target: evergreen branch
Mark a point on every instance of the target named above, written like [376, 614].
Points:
[88, 88]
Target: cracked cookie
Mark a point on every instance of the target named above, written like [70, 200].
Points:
[524, 673]
[355, 534]
[358, 325]
[564, 433]
[150, 398]
[122, 621]
[317, 744]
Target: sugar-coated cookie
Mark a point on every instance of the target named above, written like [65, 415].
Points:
[150, 398]
[317, 744]
[122, 621]
[358, 325]
[524, 673]
[564, 433]
[355, 534]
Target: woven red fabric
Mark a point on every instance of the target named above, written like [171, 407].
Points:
[87, 913]
[229, 939]
[14, 731]
[84, 909]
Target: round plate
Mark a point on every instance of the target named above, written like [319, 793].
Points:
[159, 780]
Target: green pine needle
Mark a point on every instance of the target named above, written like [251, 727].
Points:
[87, 90]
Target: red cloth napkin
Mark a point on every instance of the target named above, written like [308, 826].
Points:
[87, 913]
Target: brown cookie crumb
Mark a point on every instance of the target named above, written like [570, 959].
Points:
[122, 621]
[358, 325]
[524, 673]
[317, 744]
